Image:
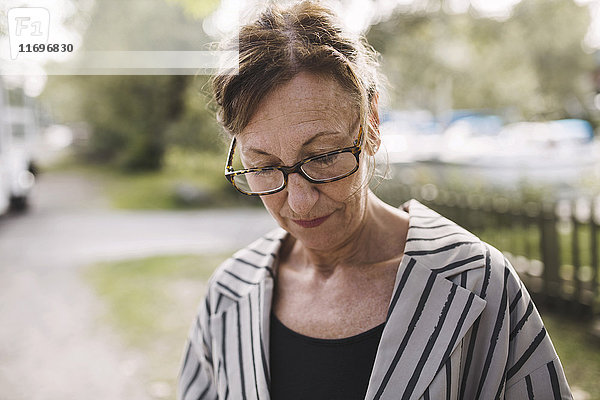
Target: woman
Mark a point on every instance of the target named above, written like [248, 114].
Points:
[351, 298]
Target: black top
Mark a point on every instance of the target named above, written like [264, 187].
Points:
[303, 367]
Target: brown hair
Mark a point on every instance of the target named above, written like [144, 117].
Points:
[282, 42]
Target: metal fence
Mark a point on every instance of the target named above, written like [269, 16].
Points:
[553, 245]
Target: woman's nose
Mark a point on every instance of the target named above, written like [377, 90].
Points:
[301, 195]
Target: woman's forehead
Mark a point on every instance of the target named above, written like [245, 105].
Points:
[307, 106]
[289, 144]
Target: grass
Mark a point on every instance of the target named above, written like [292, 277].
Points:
[188, 180]
[152, 302]
[525, 241]
[578, 351]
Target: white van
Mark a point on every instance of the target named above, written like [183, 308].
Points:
[18, 132]
[5, 191]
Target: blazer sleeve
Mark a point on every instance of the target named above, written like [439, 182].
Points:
[533, 369]
[546, 382]
[196, 376]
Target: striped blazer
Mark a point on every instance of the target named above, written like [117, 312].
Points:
[460, 325]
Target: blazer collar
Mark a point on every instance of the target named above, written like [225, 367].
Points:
[428, 314]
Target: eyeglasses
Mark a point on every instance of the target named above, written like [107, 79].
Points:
[323, 168]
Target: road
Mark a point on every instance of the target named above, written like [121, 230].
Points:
[52, 346]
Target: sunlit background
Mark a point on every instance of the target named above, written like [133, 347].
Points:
[115, 209]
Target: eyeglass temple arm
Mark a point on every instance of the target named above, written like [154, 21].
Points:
[229, 167]
[358, 141]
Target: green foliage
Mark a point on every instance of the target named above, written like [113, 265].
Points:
[134, 119]
[129, 130]
[197, 128]
[143, 25]
[197, 9]
[532, 63]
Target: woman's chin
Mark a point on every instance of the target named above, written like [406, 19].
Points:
[317, 238]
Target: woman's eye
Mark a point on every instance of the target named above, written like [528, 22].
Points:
[265, 172]
[326, 160]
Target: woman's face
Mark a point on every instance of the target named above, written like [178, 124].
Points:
[307, 116]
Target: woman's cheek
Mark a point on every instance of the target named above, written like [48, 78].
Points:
[274, 203]
[347, 190]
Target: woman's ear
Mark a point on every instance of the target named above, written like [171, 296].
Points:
[373, 136]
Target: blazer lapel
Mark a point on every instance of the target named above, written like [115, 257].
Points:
[260, 341]
[428, 317]
[428, 313]
[242, 330]
[253, 345]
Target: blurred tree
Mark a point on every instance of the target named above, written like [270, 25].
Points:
[143, 25]
[134, 118]
[197, 129]
[533, 61]
[129, 116]
[553, 32]
[197, 9]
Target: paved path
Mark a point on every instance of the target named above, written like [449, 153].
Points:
[51, 344]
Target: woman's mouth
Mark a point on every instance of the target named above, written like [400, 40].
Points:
[311, 223]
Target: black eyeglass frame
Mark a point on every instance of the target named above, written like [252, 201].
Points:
[230, 173]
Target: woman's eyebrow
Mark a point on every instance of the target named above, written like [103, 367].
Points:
[259, 152]
[318, 135]
[309, 141]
